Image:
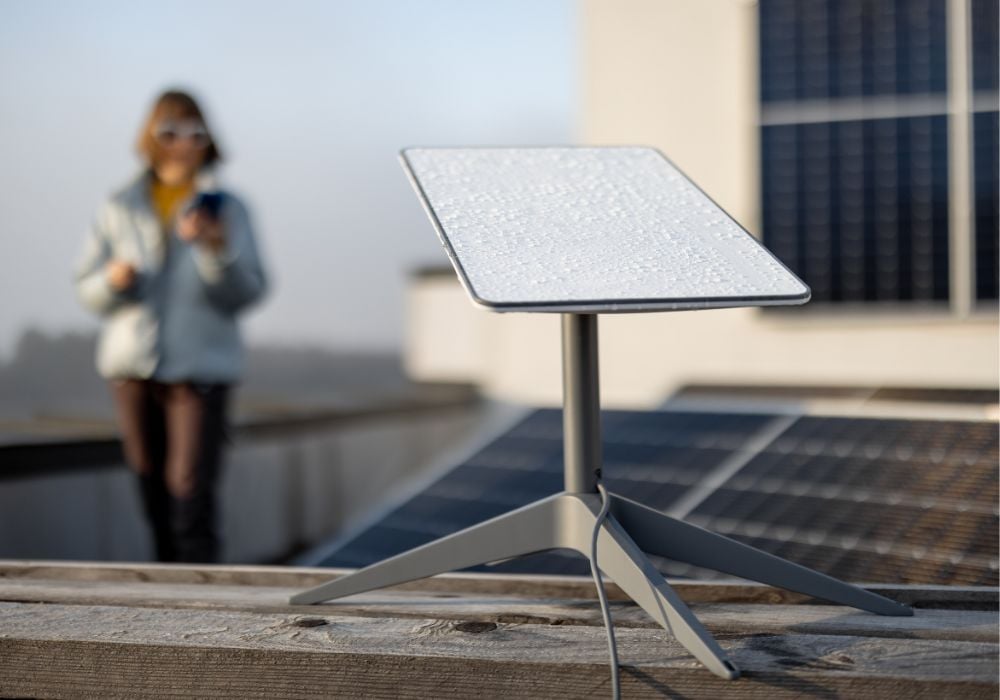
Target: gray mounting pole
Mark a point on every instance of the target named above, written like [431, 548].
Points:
[581, 403]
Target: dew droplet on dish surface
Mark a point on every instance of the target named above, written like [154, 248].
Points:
[557, 225]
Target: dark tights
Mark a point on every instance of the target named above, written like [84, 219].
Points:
[172, 436]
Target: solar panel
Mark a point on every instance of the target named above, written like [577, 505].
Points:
[525, 464]
[902, 501]
[894, 501]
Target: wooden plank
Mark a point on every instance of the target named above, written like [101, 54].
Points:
[720, 618]
[117, 651]
[735, 591]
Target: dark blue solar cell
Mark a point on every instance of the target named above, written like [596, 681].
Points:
[854, 48]
[985, 35]
[778, 50]
[987, 193]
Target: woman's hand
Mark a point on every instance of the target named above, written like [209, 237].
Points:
[120, 274]
[197, 226]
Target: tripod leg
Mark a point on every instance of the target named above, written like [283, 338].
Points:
[668, 537]
[621, 559]
[522, 531]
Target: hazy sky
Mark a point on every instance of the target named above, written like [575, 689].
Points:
[311, 101]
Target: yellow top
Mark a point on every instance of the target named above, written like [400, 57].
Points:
[165, 198]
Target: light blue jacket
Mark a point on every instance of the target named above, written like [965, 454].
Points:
[178, 321]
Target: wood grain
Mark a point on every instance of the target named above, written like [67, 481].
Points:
[48, 647]
[120, 630]
[720, 618]
[527, 585]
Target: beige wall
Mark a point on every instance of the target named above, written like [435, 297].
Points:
[645, 356]
[681, 75]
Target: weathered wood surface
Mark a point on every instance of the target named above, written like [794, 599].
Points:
[524, 585]
[72, 630]
[723, 617]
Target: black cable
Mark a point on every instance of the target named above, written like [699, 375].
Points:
[602, 596]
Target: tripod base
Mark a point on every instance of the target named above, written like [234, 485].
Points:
[566, 520]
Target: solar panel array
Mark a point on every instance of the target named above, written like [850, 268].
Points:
[855, 202]
[873, 500]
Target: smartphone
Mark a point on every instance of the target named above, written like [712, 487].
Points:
[208, 202]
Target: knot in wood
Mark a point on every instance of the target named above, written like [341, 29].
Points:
[473, 627]
[309, 622]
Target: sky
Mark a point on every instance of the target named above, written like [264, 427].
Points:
[311, 102]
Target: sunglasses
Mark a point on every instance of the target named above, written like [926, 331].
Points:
[168, 133]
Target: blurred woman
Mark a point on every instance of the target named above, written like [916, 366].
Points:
[169, 264]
